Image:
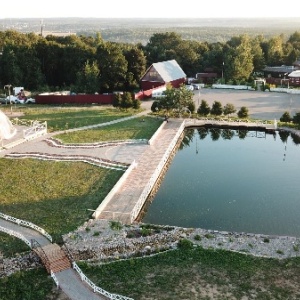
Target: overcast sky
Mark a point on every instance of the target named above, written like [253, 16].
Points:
[146, 9]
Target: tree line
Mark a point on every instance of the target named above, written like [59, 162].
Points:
[88, 64]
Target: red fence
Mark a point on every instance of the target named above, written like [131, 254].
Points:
[86, 99]
[74, 99]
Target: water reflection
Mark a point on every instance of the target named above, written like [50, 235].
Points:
[236, 180]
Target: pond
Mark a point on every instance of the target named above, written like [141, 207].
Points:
[232, 180]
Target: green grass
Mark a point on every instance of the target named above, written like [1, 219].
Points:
[56, 196]
[173, 275]
[11, 245]
[137, 128]
[53, 195]
[31, 285]
[62, 118]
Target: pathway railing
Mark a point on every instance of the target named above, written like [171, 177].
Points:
[16, 234]
[55, 279]
[97, 289]
[146, 191]
[26, 224]
[35, 130]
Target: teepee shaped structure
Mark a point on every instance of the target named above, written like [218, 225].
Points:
[7, 130]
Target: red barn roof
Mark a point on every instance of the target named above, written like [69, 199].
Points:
[162, 73]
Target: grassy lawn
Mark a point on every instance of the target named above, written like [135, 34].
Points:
[21, 286]
[62, 118]
[56, 196]
[137, 128]
[199, 274]
[52, 195]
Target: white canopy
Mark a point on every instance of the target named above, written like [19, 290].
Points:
[7, 130]
[295, 74]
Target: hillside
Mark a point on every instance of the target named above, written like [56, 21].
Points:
[140, 30]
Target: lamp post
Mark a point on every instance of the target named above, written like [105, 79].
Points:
[222, 71]
[8, 87]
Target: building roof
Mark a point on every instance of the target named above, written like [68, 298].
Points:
[168, 70]
[295, 74]
[297, 62]
[280, 69]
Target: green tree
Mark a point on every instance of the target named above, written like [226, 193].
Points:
[296, 118]
[239, 61]
[243, 112]
[203, 109]
[216, 108]
[136, 103]
[117, 100]
[178, 99]
[229, 109]
[136, 67]
[88, 79]
[274, 51]
[127, 100]
[113, 66]
[286, 117]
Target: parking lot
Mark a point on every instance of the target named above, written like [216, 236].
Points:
[261, 105]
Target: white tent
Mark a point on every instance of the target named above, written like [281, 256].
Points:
[7, 130]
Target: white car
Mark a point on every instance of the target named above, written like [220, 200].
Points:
[11, 99]
[15, 100]
[30, 101]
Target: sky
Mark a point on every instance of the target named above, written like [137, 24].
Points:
[149, 9]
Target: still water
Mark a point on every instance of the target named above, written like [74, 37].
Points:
[224, 179]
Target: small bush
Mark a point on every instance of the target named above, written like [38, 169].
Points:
[266, 240]
[243, 112]
[209, 236]
[185, 244]
[197, 237]
[146, 231]
[286, 117]
[115, 225]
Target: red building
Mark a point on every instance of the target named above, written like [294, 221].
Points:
[294, 78]
[162, 73]
[280, 75]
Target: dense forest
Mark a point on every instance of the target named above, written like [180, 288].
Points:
[90, 64]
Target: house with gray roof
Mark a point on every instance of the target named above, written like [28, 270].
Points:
[163, 73]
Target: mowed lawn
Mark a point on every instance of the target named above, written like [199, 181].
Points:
[58, 196]
[62, 118]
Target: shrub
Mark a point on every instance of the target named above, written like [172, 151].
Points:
[185, 244]
[209, 236]
[203, 109]
[217, 109]
[155, 106]
[286, 117]
[296, 118]
[229, 109]
[115, 225]
[197, 237]
[243, 112]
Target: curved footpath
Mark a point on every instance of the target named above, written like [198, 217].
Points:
[68, 279]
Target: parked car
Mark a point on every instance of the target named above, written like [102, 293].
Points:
[196, 86]
[189, 87]
[15, 100]
[11, 99]
[30, 101]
